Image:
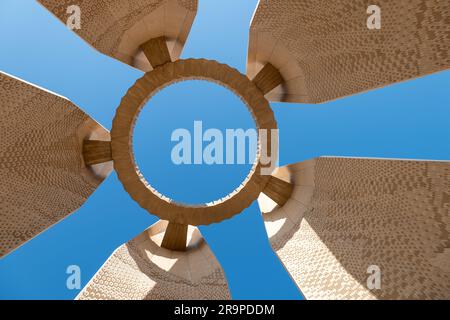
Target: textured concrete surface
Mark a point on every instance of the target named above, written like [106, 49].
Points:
[347, 214]
[122, 131]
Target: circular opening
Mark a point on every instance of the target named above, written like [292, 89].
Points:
[195, 142]
[123, 156]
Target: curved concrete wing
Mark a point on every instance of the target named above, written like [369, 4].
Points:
[351, 222]
[43, 177]
[142, 270]
[118, 28]
[324, 49]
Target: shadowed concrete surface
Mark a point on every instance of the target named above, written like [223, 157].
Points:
[142, 269]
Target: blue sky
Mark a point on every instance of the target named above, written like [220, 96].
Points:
[406, 120]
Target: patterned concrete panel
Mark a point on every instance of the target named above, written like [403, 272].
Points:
[118, 28]
[347, 214]
[42, 173]
[324, 49]
[142, 270]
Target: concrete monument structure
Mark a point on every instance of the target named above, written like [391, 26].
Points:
[348, 215]
[324, 49]
[332, 221]
[43, 174]
[141, 269]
